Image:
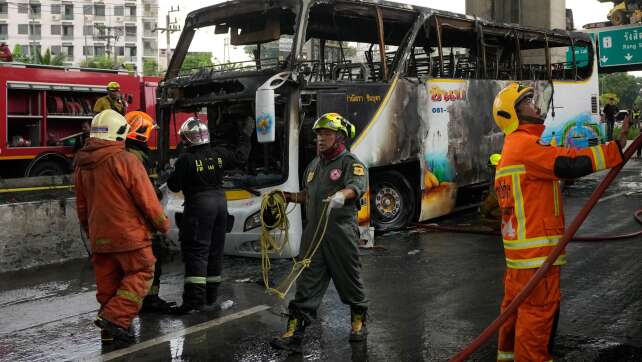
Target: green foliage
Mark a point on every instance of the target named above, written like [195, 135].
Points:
[625, 86]
[19, 56]
[37, 57]
[150, 67]
[197, 60]
[99, 63]
[633, 133]
[49, 59]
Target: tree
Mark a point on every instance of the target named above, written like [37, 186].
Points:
[19, 56]
[197, 60]
[625, 86]
[48, 59]
[99, 63]
[150, 67]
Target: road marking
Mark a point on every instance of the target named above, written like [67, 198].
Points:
[170, 336]
[612, 196]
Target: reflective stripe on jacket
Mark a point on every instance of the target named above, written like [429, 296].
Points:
[527, 186]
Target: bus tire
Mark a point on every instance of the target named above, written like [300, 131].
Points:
[393, 201]
[48, 168]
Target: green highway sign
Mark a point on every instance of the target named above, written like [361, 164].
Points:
[620, 46]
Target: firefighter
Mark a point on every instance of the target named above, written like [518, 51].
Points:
[339, 177]
[198, 174]
[490, 213]
[527, 186]
[5, 53]
[113, 100]
[118, 208]
[141, 126]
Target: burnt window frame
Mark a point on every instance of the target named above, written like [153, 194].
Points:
[432, 30]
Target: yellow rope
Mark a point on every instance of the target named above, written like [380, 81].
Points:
[275, 201]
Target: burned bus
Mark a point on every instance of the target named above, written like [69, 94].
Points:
[418, 84]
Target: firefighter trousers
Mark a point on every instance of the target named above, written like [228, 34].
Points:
[526, 335]
[122, 281]
[202, 236]
[338, 260]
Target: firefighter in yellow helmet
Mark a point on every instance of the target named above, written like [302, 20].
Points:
[338, 177]
[113, 100]
[527, 187]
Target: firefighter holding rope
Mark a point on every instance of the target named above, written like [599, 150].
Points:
[333, 182]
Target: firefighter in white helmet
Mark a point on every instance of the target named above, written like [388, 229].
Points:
[118, 209]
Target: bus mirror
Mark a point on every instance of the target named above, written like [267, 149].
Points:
[265, 110]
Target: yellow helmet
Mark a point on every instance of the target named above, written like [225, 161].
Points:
[335, 122]
[494, 159]
[113, 86]
[504, 111]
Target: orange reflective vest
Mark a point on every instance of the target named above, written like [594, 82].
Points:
[527, 186]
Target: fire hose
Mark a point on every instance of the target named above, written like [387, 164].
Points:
[541, 272]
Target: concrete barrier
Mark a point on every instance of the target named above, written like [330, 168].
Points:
[39, 233]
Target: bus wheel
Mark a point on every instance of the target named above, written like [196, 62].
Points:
[48, 168]
[393, 202]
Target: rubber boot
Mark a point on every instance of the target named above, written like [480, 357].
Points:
[155, 304]
[118, 334]
[193, 300]
[211, 293]
[358, 317]
[106, 337]
[292, 339]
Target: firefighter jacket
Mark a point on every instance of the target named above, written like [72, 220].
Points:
[527, 186]
[115, 201]
[200, 168]
[105, 102]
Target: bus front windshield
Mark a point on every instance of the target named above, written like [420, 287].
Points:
[233, 48]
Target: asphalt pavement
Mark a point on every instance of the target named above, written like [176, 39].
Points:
[431, 293]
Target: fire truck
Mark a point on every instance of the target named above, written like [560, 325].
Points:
[43, 110]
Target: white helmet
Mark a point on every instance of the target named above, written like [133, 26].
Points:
[194, 132]
[109, 125]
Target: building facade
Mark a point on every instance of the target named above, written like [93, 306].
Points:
[83, 29]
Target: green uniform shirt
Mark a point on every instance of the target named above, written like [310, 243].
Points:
[105, 102]
[322, 179]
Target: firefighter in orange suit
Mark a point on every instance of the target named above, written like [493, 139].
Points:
[527, 186]
[118, 208]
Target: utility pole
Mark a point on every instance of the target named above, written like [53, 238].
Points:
[170, 27]
[108, 33]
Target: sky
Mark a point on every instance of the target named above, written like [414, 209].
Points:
[584, 11]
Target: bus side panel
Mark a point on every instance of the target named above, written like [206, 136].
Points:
[577, 120]
[458, 135]
[389, 134]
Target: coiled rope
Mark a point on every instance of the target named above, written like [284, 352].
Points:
[274, 216]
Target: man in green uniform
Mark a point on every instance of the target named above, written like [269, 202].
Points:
[113, 100]
[335, 178]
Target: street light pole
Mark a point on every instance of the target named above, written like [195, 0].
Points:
[169, 28]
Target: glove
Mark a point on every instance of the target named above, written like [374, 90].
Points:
[336, 200]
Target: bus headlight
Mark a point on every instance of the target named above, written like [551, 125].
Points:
[252, 222]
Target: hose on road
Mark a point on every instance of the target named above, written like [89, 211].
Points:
[541, 272]
[637, 216]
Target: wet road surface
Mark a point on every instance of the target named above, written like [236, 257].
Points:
[431, 293]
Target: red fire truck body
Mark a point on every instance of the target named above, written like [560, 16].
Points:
[42, 106]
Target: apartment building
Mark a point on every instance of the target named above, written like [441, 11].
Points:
[83, 28]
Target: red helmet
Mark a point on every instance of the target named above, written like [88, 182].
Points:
[141, 125]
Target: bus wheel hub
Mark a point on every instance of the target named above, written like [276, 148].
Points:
[388, 202]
